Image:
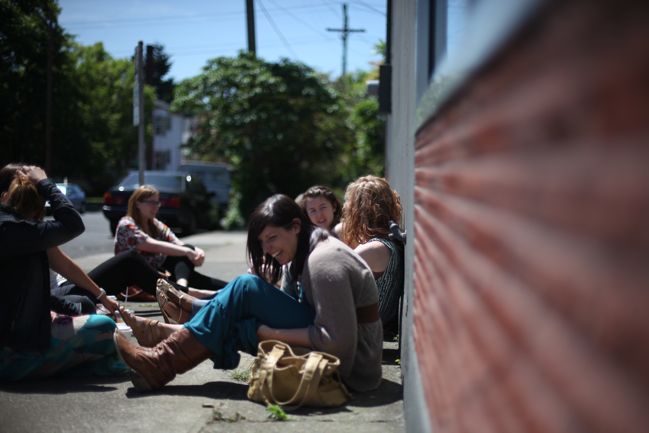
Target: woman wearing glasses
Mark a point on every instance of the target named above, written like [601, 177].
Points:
[141, 231]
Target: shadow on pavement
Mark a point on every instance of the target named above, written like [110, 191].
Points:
[217, 390]
[390, 356]
[388, 392]
[63, 385]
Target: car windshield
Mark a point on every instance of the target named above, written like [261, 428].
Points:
[160, 181]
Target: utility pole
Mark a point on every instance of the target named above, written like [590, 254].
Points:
[138, 110]
[49, 22]
[148, 79]
[344, 33]
[250, 19]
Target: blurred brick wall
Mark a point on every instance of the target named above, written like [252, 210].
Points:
[531, 302]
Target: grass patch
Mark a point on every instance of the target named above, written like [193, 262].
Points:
[276, 413]
[241, 375]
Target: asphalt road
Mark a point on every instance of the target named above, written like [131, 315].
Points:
[95, 240]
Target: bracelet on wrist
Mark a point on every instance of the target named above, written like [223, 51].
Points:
[101, 294]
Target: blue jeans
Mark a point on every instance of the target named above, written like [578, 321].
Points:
[229, 321]
[197, 304]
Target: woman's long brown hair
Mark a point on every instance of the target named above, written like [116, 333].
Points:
[144, 192]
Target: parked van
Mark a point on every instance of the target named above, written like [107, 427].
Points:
[215, 176]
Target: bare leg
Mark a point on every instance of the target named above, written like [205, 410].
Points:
[200, 293]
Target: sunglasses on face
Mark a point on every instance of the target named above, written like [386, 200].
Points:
[153, 202]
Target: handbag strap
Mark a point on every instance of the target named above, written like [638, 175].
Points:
[269, 363]
[313, 370]
[272, 358]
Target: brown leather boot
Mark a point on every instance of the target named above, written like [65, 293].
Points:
[148, 332]
[152, 368]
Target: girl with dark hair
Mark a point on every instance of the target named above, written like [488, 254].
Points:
[321, 206]
[333, 307]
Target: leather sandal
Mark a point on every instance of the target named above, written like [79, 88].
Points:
[176, 296]
[171, 312]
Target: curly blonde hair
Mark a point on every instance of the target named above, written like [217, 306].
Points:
[142, 193]
[370, 205]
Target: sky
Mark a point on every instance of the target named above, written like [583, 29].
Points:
[193, 31]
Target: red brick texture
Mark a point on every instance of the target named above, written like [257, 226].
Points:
[531, 300]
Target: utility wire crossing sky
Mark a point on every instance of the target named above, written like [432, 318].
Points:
[194, 31]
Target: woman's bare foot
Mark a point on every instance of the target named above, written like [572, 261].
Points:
[199, 294]
[148, 332]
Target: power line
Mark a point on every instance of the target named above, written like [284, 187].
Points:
[148, 20]
[372, 8]
[191, 50]
[344, 33]
[279, 33]
[331, 8]
[173, 18]
[295, 17]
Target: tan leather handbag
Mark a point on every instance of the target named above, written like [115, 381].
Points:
[280, 377]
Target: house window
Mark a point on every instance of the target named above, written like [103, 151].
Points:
[448, 26]
[162, 159]
[161, 124]
[457, 36]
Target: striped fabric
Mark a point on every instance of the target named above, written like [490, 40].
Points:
[390, 283]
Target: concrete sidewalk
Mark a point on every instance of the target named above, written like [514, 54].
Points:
[201, 400]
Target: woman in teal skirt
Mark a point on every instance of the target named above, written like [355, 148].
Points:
[81, 345]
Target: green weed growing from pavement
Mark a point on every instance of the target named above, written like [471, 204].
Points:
[241, 375]
[276, 413]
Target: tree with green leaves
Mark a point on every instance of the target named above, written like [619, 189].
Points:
[102, 135]
[364, 153]
[84, 129]
[157, 65]
[280, 125]
[32, 66]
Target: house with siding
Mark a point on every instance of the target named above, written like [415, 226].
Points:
[170, 132]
